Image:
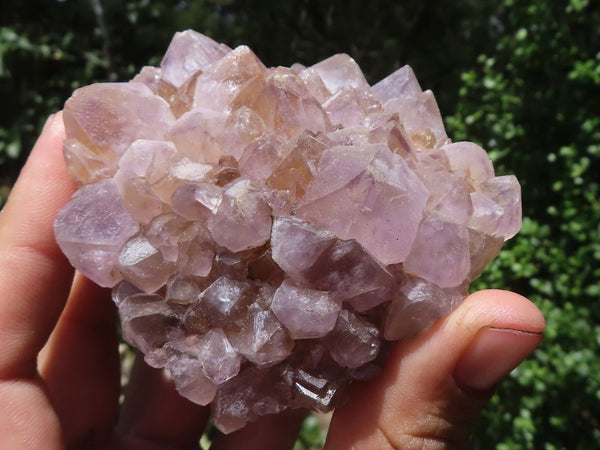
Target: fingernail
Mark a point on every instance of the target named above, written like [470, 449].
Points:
[492, 355]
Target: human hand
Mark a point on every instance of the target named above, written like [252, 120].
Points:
[59, 362]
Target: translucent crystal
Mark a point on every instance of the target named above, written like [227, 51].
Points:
[268, 231]
[105, 119]
[189, 53]
[353, 341]
[262, 339]
[416, 305]
[306, 313]
[93, 228]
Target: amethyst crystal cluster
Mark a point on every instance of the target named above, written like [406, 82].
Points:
[268, 231]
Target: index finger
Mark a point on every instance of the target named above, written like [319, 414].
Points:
[35, 277]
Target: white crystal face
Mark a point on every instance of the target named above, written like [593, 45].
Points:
[268, 232]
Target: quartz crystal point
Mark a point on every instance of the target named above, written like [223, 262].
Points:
[267, 232]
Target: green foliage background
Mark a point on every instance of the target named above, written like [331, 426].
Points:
[521, 78]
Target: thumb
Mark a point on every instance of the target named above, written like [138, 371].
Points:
[434, 386]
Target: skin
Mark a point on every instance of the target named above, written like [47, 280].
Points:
[59, 362]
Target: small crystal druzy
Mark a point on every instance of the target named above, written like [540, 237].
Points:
[267, 232]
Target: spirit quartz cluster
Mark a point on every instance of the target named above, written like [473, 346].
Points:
[267, 232]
